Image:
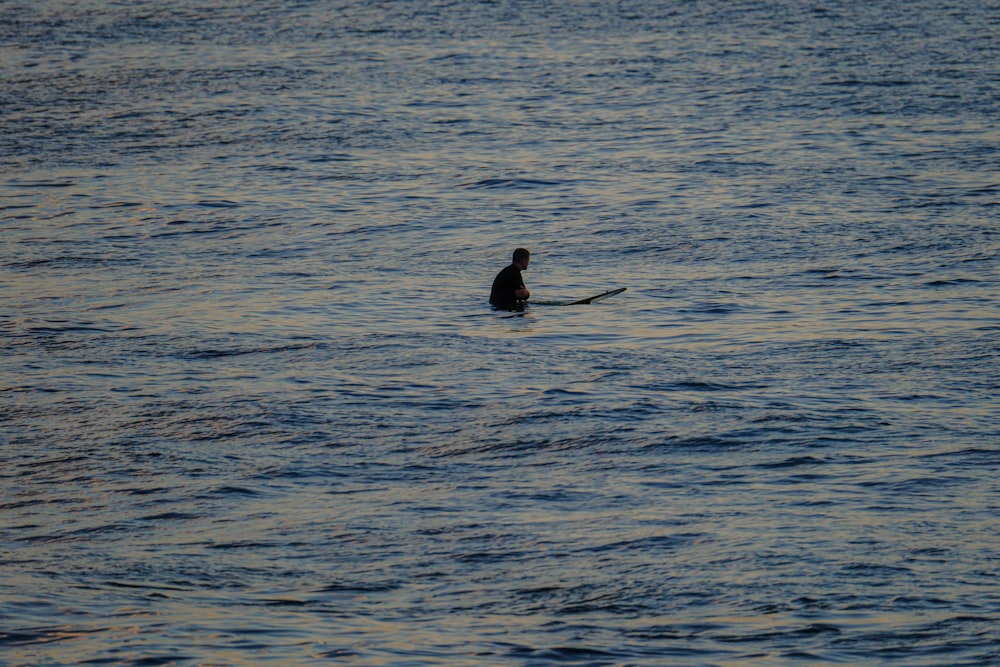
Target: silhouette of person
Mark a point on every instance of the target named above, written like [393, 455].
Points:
[509, 292]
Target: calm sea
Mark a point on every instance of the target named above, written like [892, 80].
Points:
[255, 409]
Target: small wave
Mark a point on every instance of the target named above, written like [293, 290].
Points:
[873, 569]
[117, 204]
[968, 456]
[246, 544]
[238, 351]
[67, 327]
[165, 661]
[697, 385]
[171, 516]
[49, 463]
[384, 587]
[66, 261]
[234, 491]
[652, 543]
[144, 586]
[510, 184]
[565, 654]
[707, 442]
[284, 602]
[332, 157]
[851, 83]
[40, 184]
[44, 635]
[712, 308]
[951, 282]
[793, 462]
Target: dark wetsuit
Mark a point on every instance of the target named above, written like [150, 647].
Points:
[505, 284]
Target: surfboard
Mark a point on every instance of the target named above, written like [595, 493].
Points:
[503, 314]
[597, 297]
[580, 302]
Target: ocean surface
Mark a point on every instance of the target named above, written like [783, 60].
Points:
[255, 408]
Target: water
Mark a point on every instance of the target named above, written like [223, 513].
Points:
[255, 409]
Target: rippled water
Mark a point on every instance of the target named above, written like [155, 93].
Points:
[254, 407]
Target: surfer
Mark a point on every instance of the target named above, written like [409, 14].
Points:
[509, 292]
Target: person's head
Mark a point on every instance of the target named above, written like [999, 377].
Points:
[521, 258]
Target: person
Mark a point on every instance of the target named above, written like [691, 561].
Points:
[509, 292]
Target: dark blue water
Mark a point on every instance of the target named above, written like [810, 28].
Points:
[254, 408]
